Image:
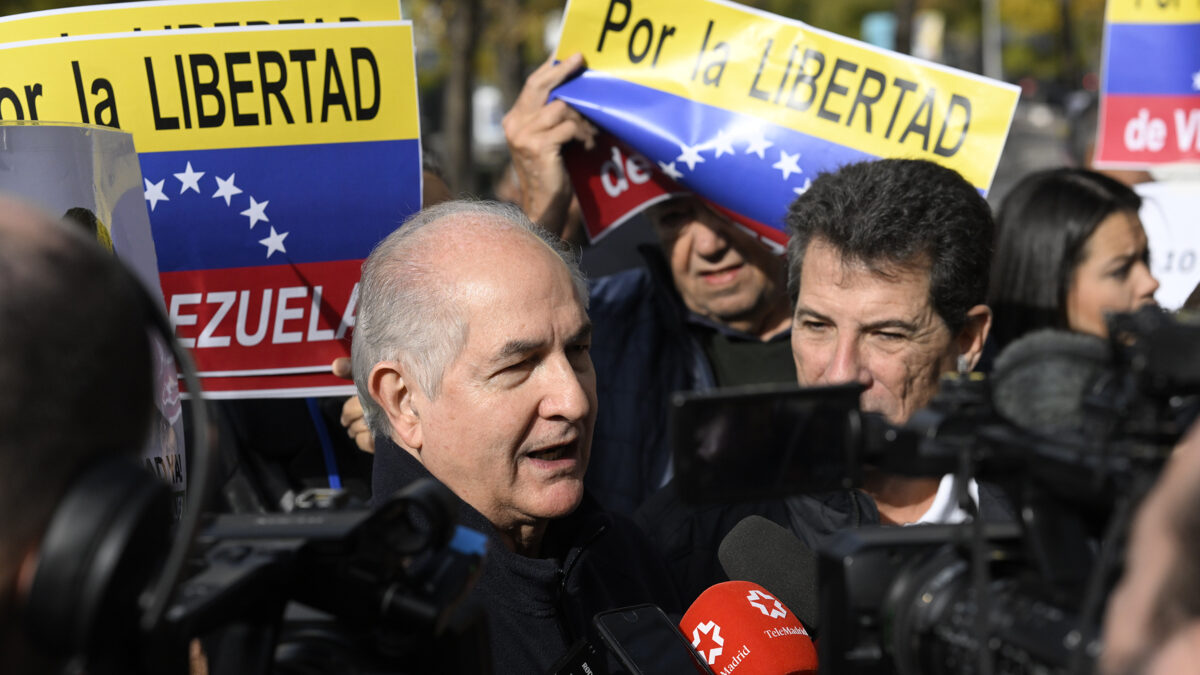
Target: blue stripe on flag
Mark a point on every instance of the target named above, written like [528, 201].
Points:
[244, 207]
[747, 165]
[1153, 59]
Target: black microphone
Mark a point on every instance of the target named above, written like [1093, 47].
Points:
[763, 552]
[1039, 382]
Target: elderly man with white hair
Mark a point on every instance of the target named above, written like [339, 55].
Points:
[471, 357]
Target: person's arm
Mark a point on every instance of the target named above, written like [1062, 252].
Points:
[536, 132]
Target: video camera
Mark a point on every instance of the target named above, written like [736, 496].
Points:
[1070, 430]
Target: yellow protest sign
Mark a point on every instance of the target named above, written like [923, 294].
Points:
[860, 100]
[148, 16]
[251, 86]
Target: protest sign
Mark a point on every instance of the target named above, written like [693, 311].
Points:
[147, 16]
[745, 108]
[1170, 214]
[274, 158]
[1150, 85]
[89, 176]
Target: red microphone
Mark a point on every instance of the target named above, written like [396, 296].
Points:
[738, 626]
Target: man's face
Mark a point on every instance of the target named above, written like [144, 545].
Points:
[721, 271]
[511, 429]
[854, 325]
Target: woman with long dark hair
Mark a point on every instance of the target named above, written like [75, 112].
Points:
[1069, 250]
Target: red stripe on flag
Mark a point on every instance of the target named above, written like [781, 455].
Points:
[1143, 130]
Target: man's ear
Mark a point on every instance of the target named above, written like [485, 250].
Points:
[974, 334]
[392, 390]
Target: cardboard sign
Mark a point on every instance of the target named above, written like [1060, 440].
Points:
[1150, 88]
[745, 108]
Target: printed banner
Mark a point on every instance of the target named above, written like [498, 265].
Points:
[1150, 88]
[1171, 215]
[273, 157]
[89, 176]
[146, 16]
[745, 108]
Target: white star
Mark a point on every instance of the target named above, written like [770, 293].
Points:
[190, 179]
[670, 170]
[256, 212]
[804, 188]
[154, 192]
[274, 242]
[1196, 80]
[226, 188]
[787, 164]
[723, 143]
[758, 144]
[691, 155]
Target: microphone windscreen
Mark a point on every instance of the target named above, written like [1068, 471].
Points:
[763, 552]
[1039, 381]
[738, 626]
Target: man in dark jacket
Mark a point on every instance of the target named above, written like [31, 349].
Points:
[709, 308]
[471, 359]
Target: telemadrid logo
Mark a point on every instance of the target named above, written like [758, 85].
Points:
[775, 612]
[706, 628]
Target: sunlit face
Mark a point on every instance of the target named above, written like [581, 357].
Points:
[511, 428]
[852, 324]
[721, 271]
[1114, 275]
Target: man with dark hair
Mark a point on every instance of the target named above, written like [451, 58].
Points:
[75, 372]
[888, 269]
[888, 275]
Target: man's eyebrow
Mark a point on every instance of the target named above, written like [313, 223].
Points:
[517, 348]
[584, 334]
[895, 324]
[521, 347]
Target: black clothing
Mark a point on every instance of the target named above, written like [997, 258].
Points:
[537, 607]
[689, 535]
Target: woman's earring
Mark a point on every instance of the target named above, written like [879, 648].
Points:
[964, 364]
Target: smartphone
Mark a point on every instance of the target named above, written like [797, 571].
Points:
[763, 442]
[646, 642]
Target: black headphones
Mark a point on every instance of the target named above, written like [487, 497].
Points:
[104, 575]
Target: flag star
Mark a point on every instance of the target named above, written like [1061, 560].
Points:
[669, 169]
[226, 188]
[256, 212]
[804, 188]
[274, 242]
[723, 143]
[787, 164]
[1196, 80]
[758, 144]
[190, 179]
[154, 192]
[691, 155]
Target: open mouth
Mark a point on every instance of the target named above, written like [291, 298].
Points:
[551, 454]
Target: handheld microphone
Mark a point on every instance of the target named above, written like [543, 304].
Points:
[738, 626]
[760, 551]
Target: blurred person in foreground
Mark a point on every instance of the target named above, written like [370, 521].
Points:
[471, 357]
[75, 372]
[1152, 623]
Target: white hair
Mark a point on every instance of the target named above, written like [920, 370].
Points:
[406, 309]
